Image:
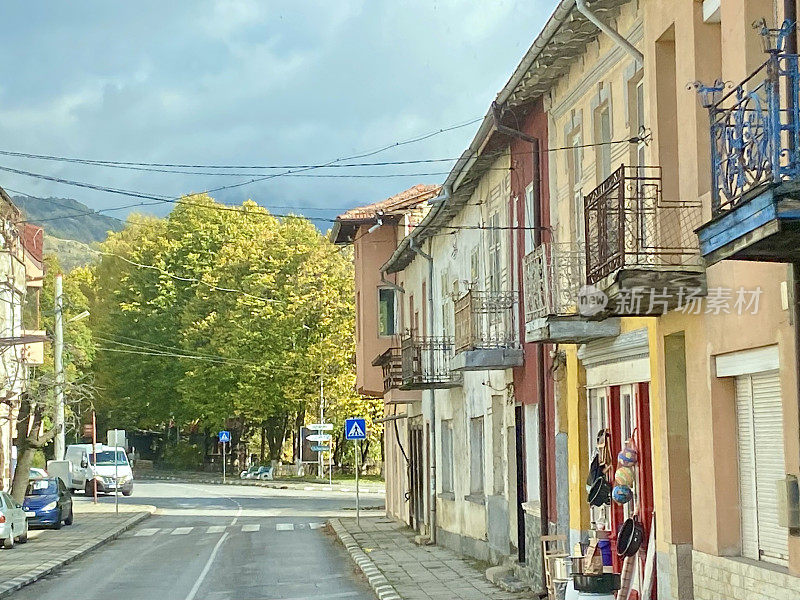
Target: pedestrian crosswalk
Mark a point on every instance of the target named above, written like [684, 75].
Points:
[217, 529]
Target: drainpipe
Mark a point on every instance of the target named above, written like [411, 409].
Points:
[444, 194]
[616, 37]
[391, 284]
[432, 366]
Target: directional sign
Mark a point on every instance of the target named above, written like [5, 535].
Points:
[319, 437]
[225, 436]
[320, 448]
[320, 426]
[355, 429]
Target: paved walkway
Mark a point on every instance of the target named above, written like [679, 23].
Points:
[49, 549]
[419, 572]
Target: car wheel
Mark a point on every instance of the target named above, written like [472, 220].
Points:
[24, 537]
[8, 543]
[89, 489]
[68, 520]
[58, 523]
[127, 492]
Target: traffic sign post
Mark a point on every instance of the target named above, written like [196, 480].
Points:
[356, 429]
[224, 438]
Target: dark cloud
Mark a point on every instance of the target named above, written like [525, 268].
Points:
[250, 81]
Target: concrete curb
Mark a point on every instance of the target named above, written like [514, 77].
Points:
[11, 586]
[276, 484]
[380, 585]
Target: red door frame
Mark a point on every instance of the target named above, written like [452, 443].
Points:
[643, 445]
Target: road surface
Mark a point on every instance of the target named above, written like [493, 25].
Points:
[209, 542]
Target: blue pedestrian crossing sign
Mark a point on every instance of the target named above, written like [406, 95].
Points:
[355, 429]
[225, 437]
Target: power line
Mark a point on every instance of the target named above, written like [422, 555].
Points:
[336, 164]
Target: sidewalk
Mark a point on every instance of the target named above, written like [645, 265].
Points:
[367, 487]
[48, 550]
[397, 568]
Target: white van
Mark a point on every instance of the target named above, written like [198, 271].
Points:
[88, 468]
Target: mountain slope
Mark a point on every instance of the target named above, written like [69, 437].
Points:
[67, 219]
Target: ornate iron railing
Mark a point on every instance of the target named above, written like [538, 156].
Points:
[554, 274]
[629, 224]
[486, 320]
[426, 362]
[391, 364]
[755, 129]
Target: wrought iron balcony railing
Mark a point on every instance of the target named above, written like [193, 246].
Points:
[629, 225]
[426, 363]
[554, 274]
[755, 130]
[486, 320]
[391, 363]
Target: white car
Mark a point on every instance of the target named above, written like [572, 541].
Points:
[13, 522]
[36, 473]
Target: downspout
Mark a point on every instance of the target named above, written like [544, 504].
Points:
[610, 32]
[432, 393]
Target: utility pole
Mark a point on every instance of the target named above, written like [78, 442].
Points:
[58, 351]
[320, 463]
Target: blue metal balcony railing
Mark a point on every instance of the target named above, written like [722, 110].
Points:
[755, 129]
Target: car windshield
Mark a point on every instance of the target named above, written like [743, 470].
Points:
[106, 458]
[42, 487]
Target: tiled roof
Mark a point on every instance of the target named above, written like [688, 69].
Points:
[346, 224]
[403, 201]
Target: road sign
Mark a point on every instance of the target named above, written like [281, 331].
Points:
[317, 448]
[320, 426]
[225, 436]
[319, 437]
[355, 429]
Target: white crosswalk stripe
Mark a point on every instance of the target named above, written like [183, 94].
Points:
[182, 530]
[147, 532]
[212, 529]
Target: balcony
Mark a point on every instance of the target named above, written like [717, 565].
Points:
[486, 331]
[554, 274]
[391, 363]
[426, 363]
[755, 164]
[640, 246]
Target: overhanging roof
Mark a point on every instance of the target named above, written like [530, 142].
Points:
[346, 224]
[562, 40]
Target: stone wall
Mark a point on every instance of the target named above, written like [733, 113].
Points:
[724, 578]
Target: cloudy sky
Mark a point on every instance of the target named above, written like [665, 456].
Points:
[249, 82]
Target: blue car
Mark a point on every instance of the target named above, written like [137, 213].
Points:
[48, 503]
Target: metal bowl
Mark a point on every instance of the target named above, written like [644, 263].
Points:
[603, 583]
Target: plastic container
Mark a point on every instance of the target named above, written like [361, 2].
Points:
[605, 552]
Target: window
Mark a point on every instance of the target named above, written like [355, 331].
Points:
[531, 208]
[575, 168]
[602, 136]
[447, 306]
[447, 456]
[476, 456]
[387, 320]
[474, 267]
[494, 252]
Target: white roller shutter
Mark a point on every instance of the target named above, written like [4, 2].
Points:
[759, 415]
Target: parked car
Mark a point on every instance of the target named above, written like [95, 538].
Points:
[36, 473]
[48, 503]
[101, 468]
[247, 474]
[13, 524]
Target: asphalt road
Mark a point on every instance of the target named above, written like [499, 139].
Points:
[210, 542]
